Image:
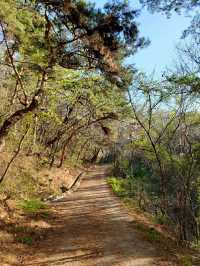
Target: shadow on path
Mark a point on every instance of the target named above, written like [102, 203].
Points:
[92, 228]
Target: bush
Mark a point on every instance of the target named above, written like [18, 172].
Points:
[120, 186]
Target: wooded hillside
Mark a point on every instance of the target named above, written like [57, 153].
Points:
[68, 98]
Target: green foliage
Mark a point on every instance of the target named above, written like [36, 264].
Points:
[162, 160]
[150, 233]
[170, 5]
[136, 172]
[118, 186]
[27, 240]
[23, 186]
[185, 261]
[70, 87]
[153, 235]
[191, 82]
[160, 218]
[33, 206]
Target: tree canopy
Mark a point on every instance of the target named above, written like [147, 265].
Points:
[68, 95]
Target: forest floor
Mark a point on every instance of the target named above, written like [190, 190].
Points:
[92, 227]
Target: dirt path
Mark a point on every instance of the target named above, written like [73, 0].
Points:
[92, 228]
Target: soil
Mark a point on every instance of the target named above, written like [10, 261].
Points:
[91, 227]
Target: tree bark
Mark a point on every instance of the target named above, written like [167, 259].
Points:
[20, 114]
[14, 156]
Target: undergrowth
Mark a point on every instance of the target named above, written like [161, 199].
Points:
[33, 206]
[27, 240]
[122, 188]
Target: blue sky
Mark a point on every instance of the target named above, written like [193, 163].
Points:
[164, 35]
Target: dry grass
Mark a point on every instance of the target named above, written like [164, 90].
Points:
[27, 178]
[30, 177]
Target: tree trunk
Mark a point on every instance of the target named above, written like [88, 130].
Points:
[20, 114]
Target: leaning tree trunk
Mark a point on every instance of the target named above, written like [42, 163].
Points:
[21, 113]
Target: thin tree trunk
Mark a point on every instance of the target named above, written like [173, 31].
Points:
[20, 114]
[14, 156]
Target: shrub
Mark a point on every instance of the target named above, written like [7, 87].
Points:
[119, 186]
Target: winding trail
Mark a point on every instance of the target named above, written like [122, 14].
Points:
[92, 228]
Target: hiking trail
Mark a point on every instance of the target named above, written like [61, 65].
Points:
[93, 228]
